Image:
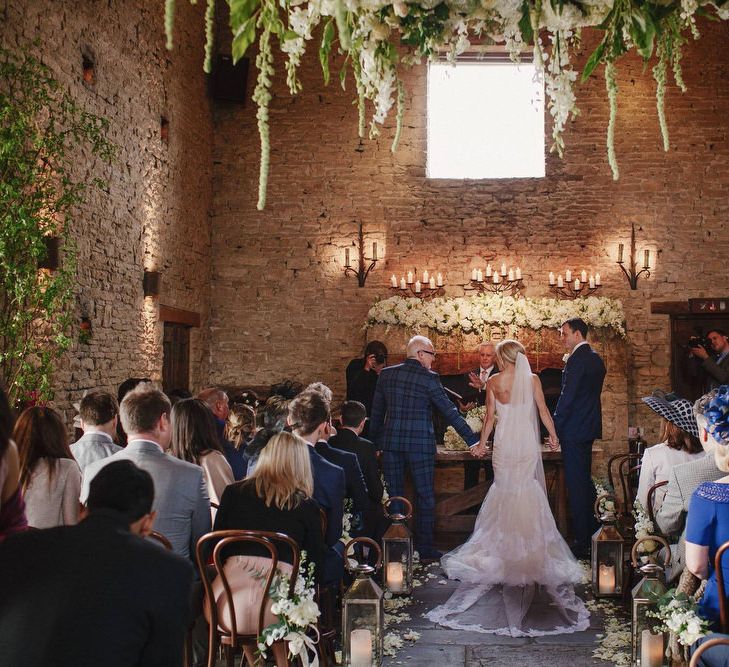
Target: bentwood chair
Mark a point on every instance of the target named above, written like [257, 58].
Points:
[651, 502]
[159, 537]
[705, 647]
[629, 468]
[237, 603]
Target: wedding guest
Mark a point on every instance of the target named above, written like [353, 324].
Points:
[99, 414]
[96, 593]
[272, 418]
[181, 497]
[239, 429]
[362, 374]
[707, 524]
[245, 397]
[680, 444]
[124, 388]
[286, 389]
[716, 368]
[194, 440]
[320, 387]
[218, 403]
[12, 505]
[177, 395]
[49, 475]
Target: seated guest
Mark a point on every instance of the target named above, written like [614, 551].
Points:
[309, 417]
[362, 374]
[239, 429]
[96, 593]
[707, 524]
[194, 440]
[177, 395]
[348, 439]
[49, 475]
[287, 389]
[98, 411]
[181, 497]
[246, 397]
[680, 444]
[12, 506]
[277, 497]
[124, 388]
[272, 419]
[218, 403]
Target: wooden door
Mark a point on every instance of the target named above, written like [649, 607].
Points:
[176, 357]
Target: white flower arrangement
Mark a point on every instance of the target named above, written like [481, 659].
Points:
[346, 521]
[296, 615]
[472, 314]
[678, 614]
[474, 418]
[606, 505]
[644, 528]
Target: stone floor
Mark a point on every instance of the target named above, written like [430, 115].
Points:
[438, 646]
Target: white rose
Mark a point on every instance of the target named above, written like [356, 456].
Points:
[400, 8]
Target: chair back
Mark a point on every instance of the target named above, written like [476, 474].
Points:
[651, 502]
[220, 592]
[159, 537]
[721, 589]
[612, 464]
[628, 467]
[717, 641]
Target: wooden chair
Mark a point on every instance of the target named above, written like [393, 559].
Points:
[227, 633]
[159, 537]
[717, 641]
[613, 463]
[629, 465]
[651, 500]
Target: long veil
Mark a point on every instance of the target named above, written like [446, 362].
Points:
[517, 572]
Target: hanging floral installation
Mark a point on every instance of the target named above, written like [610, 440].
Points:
[379, 38]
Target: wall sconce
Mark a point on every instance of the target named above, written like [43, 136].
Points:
[362, 271]
[152, 283]
[632, 273]
[51, 261]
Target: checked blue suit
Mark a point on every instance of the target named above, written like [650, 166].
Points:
[401, 424]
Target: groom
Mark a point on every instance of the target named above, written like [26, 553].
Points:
[401, 424]
[578, 420]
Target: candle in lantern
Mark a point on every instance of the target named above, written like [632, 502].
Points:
[360, 648]
[577, 284]
[518, 273]
[474, 274]
[374, 250]
[417, 287]
[568, 275]
[620, 253]
[583, 276]
[651, 649]
[503, 269]
[394, 577]
[598, 279]
[431, 283]
[439, 282]
[560, 282]
[551, 278]
[403, 285]
[410, 277]
[511, 274]
[606, 578]
[393, 280]
[479, 276]
[592, 282]
[346, 257]
[647, 259]
[488, 270]
[425, 277]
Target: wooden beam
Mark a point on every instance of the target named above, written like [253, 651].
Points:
[179, 316]
[669, 308]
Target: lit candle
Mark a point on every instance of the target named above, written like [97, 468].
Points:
[374, 250]
[620, 253]
[518, 273]
[346, 257]
[606, 578]
[360, 648]
[651, 649]
[551, 278]
[560, 282]
[592, 282]
[393, 280]
[474, 274]
[394, 577]
[583, 276]
[511, 275]
[431, 283]
[488, 270]
[417, 287]
[647, 260]
[568, 275]
[403, 285]
[410, 277]
[439, 282]
[577, 284]
[503, 269]
[598, 280]
[425, 277]
[497, 280]
[479, 276]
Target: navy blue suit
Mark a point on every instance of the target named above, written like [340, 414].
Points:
[578, 420]
[401, 424]
[355, 487]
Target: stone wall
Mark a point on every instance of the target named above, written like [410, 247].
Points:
[156, 213]
[281, 306]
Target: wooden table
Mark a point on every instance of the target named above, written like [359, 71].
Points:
[449, 505]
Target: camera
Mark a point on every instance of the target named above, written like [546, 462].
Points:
[699, 341]
[380, 358]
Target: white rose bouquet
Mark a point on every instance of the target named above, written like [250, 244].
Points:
[644, 528]
[678, 614]
[474, 418]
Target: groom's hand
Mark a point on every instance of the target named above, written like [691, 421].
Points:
[477, 451]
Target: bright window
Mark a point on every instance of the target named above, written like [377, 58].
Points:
[485, 120]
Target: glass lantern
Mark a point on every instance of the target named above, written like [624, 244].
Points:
[608, 551]
[362, 612]
[648, 647]
[397, 548]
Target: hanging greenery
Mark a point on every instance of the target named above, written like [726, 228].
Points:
[41, 129]
[379, 37]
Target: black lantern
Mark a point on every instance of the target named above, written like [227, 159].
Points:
[397, 546]
[608, 550]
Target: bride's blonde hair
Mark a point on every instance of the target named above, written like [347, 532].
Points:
[507, 351]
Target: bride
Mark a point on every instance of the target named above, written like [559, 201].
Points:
[516, 571]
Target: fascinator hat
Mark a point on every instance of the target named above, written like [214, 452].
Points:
[678, 411]
[716, 412]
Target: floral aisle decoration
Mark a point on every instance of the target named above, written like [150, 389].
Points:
[474, 418]
[472, 314]
[297, 615]
[606, 496]
[347, 519]
[379, 38]
[644, 528]
[677, 613]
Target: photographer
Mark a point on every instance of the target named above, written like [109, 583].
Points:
[716, 366]
[362, 374]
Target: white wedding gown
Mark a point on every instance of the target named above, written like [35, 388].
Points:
[517, 574]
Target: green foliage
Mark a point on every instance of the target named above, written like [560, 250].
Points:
[40, 129]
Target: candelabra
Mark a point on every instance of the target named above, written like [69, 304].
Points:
[429, 288]
[632, 273]
[506, 281]
[362, 270]
[566, 288]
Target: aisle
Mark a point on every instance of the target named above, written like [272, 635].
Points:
[440, 647]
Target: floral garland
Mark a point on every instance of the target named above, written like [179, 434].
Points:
[472, 314]
[378, 38]
[644, 528]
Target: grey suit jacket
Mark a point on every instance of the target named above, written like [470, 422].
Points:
[180, 493]
[91, 447]
[719, 372]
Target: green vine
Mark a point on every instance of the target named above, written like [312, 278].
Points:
[659, 74]
[169, 22]
[209, 36]
[262, 97]
[612, 89]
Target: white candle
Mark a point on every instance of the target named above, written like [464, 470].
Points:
[503, 269]
[583, 276]
[560, 282]
[417, 287]
[592, 282]
[374, 250]
[497, 280]
[577, 284]
[488, 270]
[598, 280]
[606, 578]
[518, 273]
[393, 280]
[568, 275]
[440, 280]
[402, 283]
[651, 649]
[360, 647]
[479, 276]
[511, 274]
[431, 283]
[474, 274]
[551, 278]
[425, 277]
[346, 257]
[410, 277]
[394, 577]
